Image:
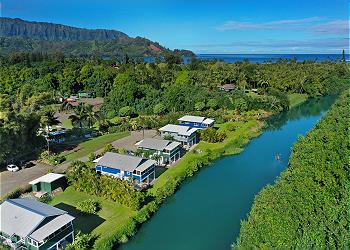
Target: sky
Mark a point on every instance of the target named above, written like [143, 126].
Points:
[205, 26]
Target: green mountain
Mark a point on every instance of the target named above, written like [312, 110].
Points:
[17, 35]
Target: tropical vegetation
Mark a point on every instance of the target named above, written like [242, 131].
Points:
[307, 207]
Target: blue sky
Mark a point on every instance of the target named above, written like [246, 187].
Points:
[203, 26]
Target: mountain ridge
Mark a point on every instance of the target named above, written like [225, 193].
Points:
[18, 35]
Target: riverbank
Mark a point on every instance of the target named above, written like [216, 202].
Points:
[205, 212]
[238, 134]
[312, 194]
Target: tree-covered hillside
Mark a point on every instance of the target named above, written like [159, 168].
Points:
[307, 208]
[17, 35]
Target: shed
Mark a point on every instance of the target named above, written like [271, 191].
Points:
[48, 183]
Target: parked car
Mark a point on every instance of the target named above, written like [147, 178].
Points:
[12, 168]
[28, 164]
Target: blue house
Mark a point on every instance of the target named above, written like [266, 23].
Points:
[127, 167]
[196, 121]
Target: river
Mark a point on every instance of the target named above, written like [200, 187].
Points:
[205, 213]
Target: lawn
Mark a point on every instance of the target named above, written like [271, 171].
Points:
[92, 145]
[67, 124]
[238, 135]
[295, 99]
[108, 220]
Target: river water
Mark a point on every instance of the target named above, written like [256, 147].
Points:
[205, 213]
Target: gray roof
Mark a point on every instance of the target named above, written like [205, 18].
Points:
[51, 227]
[196, 119]
[123, 162]
[23, 216]
[157, 144]
[181, 130]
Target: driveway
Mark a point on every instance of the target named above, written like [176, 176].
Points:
[10, 181]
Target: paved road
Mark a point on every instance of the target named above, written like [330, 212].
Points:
[10, 181]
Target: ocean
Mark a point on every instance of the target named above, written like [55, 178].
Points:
[262, 58]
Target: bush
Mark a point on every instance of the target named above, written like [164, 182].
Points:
[159, 109]
[211, 135]
[81, 242]
[125, 111]
[45, 199]
[89, 206]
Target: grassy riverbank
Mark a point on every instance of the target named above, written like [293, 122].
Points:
[238, 134]
[109, 220]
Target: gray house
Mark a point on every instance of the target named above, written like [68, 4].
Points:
[169, 151]
[29, 224]
[187, 136]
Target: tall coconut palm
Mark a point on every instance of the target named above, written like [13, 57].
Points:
[48, 119]
[91, 115]
[79, 116]
[157, 158]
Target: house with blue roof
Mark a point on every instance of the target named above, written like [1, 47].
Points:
[127, 167]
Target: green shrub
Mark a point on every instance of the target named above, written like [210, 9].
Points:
[89, 206]
[45, 199]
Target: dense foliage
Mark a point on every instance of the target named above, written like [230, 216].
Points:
[89, 206]
[138, 96]
[212, 135]
[84, 179]
[307, 207]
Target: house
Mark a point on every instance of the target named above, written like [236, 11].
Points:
[48, 183]
[29, 224]
[169, 151]
[86, 94]
[227, 87]
[57, 136]
[125, 167]
[187, 136]
[196, 121]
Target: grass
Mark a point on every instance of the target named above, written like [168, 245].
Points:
[108, 220]
[238, 135]
[90, 146]
[67, 124]
[295, 99]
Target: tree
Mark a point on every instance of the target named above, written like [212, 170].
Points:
[48, 119]
[125, 111]
[91, 115]
[213, 104]
[159, 109]
[81, 242]
[79, 116]
[156, 157]
[199, 106]
[343, 56]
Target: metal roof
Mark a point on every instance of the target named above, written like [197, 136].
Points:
[172, 145]
[152, 143]
[181, 130]
[196, 119]
[51, 227]
[123, 162]
[145, 165]
[48, 178]
[23, 216]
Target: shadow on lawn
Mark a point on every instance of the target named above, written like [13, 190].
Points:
[83, 222]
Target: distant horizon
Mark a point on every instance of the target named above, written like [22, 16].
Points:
[223, 27]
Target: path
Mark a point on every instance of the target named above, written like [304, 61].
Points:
[10, 181]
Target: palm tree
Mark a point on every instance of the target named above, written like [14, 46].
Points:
[48, 119]
[79, 116]
[91, 115]
[156, 157]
